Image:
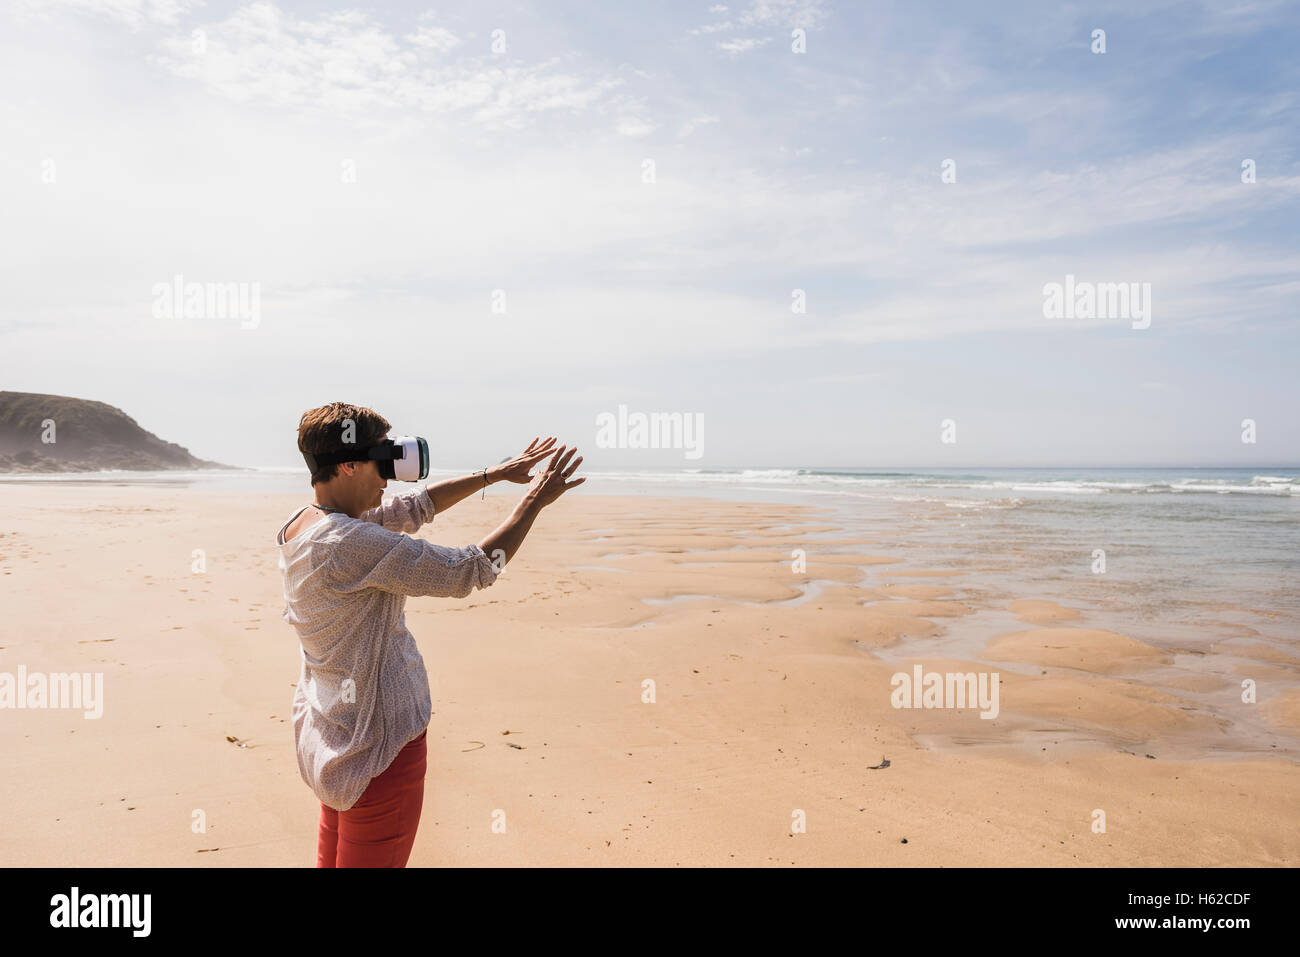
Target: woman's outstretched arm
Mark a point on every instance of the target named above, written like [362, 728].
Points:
[447, 493]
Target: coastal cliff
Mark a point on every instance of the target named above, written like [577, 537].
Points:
[89, 436]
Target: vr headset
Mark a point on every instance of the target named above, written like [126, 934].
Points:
[405, 458]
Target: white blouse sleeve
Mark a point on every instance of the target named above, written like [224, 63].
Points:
[407, 512]
[370, 556]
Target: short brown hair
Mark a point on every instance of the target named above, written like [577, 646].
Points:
[321, 430]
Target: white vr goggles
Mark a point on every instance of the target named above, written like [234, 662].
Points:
[405, 458]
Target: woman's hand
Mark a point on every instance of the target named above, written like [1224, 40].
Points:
[548, 484]
[552, 482]
[517, 469]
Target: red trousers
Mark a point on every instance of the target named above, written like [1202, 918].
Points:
[379, 830]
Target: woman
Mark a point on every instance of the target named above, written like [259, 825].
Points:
[362, 703]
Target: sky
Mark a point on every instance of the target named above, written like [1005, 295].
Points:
[490, 221]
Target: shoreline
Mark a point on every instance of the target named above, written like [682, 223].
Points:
[772, 693]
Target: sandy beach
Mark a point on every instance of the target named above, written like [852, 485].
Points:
[771, 687]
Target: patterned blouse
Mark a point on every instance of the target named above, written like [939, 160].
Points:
[363, 693]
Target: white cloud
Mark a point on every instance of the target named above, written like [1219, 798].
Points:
[785, 13]
[764, 14]
[135, 14]
[634, 127]
[434, 38]
[346, 63]
[742, 44]
[694, 123]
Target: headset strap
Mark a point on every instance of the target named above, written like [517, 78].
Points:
[388, 449]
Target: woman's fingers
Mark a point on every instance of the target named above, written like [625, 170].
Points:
[564, 460]
[568, 485]
[552, 480]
